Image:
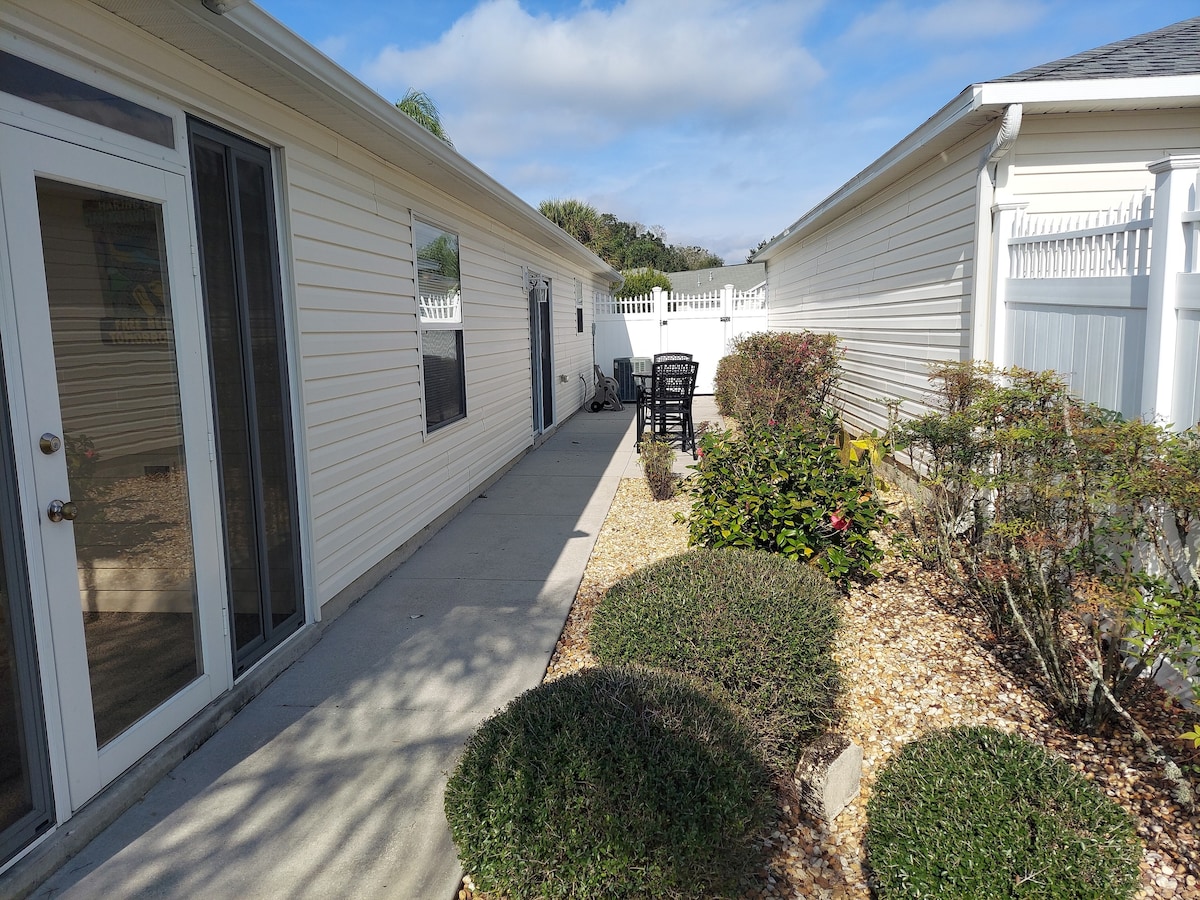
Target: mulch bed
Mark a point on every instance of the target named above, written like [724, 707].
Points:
[915, 656]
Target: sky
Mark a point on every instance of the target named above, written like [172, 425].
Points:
[719, 122]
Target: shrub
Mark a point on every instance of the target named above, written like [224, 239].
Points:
[610, 783]
[788, 491]
[755, 628]
[973, 812]
[1075, 528]
[780, 376]
[656, 459]
[642, 281]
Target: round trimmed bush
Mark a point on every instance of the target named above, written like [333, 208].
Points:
[611, 783]
[975, 812]
[756, 628]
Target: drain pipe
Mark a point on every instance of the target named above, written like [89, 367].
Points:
[987, 332]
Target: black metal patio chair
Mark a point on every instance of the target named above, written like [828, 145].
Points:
[664, 403]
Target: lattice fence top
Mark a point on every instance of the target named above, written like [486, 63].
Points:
[659, 302]
[1114, 242]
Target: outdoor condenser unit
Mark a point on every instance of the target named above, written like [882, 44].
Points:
[624, 368]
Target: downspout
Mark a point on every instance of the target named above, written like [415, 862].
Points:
[986, 331]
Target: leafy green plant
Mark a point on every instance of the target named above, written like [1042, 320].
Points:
[975, 812]
[1075, 529]
[657, 458]
[784, 377]
[754, 627]
[1193, 735]
[787, 490]
[642, 281]
[611, 783]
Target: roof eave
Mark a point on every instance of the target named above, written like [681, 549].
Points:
[1082, 95]
[978, 104]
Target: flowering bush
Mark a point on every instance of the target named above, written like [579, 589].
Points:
[784, 377]
[789, 491]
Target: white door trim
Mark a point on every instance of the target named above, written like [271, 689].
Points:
[34, 407]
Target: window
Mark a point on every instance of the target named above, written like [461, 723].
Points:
[440, 304]
[37, 84]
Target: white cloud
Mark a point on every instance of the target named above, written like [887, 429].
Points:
[505, 79]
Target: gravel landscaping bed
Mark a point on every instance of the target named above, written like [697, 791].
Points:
[914, 657]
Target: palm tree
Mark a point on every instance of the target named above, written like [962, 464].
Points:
[576, 218]
[418, 107]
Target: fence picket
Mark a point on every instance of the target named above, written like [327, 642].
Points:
[1113, 242]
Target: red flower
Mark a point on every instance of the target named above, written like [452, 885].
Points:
[700, 451]
[771, 422]
[839, 520]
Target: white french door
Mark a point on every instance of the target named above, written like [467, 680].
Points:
[104, 360]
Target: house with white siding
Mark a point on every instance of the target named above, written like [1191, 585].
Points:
[260, 334]
[1048, 219]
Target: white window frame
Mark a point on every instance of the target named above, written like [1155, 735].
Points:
[439, 311]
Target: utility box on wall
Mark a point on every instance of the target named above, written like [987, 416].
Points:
[624, 368]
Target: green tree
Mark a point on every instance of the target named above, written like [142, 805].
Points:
[642, 281]
[576, 218]
[625, 245]
[691, 258]
[761, 244]
[422, 110]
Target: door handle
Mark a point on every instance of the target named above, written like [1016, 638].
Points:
[59, 510]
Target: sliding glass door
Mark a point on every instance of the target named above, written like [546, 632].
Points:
[244, 308]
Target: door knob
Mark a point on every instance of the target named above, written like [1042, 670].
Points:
[59, 510]
[49, 443]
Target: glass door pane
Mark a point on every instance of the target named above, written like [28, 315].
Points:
[114, 355]
[244, 308]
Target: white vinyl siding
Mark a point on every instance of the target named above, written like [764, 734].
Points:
[893, 280]
[370, 479]
[1082, 163]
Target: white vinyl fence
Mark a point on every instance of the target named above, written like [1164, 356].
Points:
[1111, 300]
[704, 325]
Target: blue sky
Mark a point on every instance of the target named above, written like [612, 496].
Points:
[719, 122]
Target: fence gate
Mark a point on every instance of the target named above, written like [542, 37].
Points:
[704, 325]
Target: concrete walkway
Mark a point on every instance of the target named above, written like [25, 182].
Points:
[329, 783]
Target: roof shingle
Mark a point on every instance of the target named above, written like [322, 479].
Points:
[1174, 50]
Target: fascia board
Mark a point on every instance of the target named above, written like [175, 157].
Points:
[917, 147]
[1087, 94]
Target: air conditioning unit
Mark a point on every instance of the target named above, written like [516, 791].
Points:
[624, 368]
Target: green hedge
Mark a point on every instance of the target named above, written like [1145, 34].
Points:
[780, 376]
[974, 812]
[611, 783]
[755, 627]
